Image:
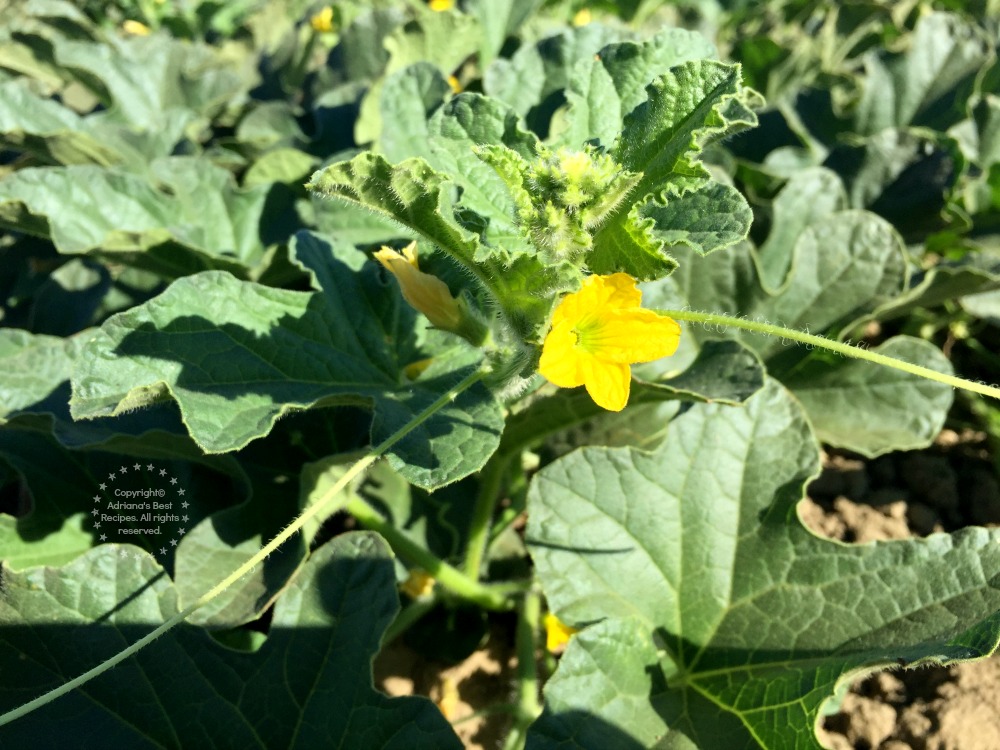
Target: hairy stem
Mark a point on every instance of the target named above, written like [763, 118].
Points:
[311, 512]
[848, 350]
[488, 597]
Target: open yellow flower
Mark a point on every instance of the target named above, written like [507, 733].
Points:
[598, 332]
[424, 292]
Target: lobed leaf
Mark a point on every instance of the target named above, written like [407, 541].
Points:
[308, 684]
[237, 355]
[755, 619]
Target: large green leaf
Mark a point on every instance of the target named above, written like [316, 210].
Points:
[697, 548]
[193, 219]
[686, 108]
[533, 80]
[874, 409]
[308, 685]
[604, 88]
[141, 79]
[237, 355]
[920, 86]
[440, 39]
[842, 267]
[498, 19]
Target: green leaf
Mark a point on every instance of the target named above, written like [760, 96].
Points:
[442, 39]
[904, 175]
[874, 409]
[203, 222]
[409, 98]
[44, 127]
[709, 218]
[410, 193]
[498, 19]
[756, 620]
[686, 108]
[141, 79]
[808, 196]
[533, 80]
[317, 655]
[604, 88]
[922, 85]
[237, 355]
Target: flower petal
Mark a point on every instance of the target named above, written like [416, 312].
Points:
[608, 383]
[630, 336]
[597, 294]
[560, 362]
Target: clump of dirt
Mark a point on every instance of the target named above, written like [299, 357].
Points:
[946, 487]
[936, 708]
[950, 485]
[464, 692]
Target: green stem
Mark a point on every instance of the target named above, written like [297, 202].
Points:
[482, 514]
[488, 597]
[528, 704]
[311, 512]
[848, 350]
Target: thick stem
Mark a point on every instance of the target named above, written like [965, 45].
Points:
[482, 514]
[528, 704]
[311, 512]
[848, 350]
[488, 597]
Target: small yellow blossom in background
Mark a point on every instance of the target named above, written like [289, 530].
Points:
[582, 17]
[449, 702]
[322, 22]
[136, 28]
[556, 633]
[456, 87]
[419, 584]
[424, 292]
[598, 332]
[440, 5]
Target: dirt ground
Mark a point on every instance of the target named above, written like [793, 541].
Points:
[948, 486]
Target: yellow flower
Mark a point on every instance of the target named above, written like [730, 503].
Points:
[440, 5]
[424, 292]
[322, 22]
[456, 85]
[136, 28]
[419, 584]
[582, 17]
[598, 332]
[556, 633]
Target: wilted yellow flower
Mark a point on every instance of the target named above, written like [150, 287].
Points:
[557, 633]
[440, 5]
[419, 584]
[598, 332]
[424, 292]
[136, 28]
[323, 21]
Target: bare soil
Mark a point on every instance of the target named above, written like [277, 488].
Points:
[946, 487]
